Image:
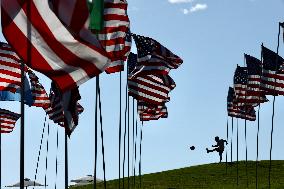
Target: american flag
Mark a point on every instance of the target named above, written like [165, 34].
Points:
[131, 62]
[152, 89]
[282, 25]
[64, 109]
[240, 85]
[243, 112]
[39, 95]
[8, 120]
[149, 112]
[114, 36]
[10, 69]
[254, 95]
[273, 79]
[66, 58]
[153, 58]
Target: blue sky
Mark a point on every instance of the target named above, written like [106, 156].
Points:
[211, 37]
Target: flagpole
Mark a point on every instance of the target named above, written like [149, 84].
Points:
[66, 160]
[237, 151]
[22, 134]
[226, 148]
[232, 139]
[273, 114]
[96, 133]
[119, 137]
[0, 159]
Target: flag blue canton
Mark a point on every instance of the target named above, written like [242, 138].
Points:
[241, 76]
[131, 62]
[271, 61]
[253, 65]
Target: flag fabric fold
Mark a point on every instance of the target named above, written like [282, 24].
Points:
[47, 46]
[254, 93]
[39, 95]
[8, 120]
[64, 108]
[242, 112]
[153, 58]
[273, 73]
[149, 112]
[10, 69]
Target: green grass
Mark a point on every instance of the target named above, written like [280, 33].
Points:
[209, 176]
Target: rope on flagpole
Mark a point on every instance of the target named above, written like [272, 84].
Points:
[96, 134]
[128, 146]
[125, 130]
[102, 134]
[140, 161]
[273, 114]
[38, 157]
[119, 137]
[56, 159]
[133, 133]
[46, 159]
[135, 150]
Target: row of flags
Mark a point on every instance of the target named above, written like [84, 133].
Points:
[71, 42]
[254, 81]
[148, 77]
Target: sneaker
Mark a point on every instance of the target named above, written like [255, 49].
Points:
[207, 150]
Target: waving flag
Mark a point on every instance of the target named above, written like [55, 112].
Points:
[153, 89]
[273, 79]
[40, 97]
[9, 96]
[254, 94]
[243, 112]
[149, 112]
[282, 25]
[113, 35]
[10, 69]
[64, 108]
[8, 120]
[240, 84]
[153, 58]
[108, 19]
[45, 44]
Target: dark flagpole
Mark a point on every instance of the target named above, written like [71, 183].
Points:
[246, 130]
[0, 159]
[102, 134]
[237, 151]
[227, 149]
[119, 137]
[273, 114]
[257, 150]
[232, 139]
[96, 133]
[66, 160]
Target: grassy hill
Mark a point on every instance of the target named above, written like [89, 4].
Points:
[209, 176]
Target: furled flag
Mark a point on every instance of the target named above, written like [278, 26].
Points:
[152, 89]
[39, 95]
[8, 120]
[273, 79]
[149, 112]
[10, 69]
[243, 112]
[153, 58]
[45, 44]
[108, 20]
[65, 109]
[254, 94]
